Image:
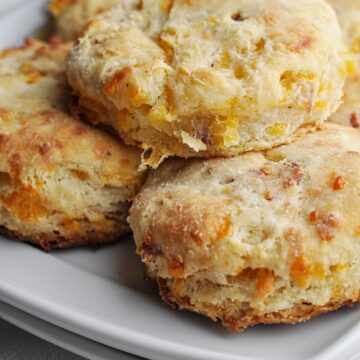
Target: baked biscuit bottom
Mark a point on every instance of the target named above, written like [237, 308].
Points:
[55, 240]
[236, 319]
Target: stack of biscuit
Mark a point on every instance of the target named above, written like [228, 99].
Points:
[241, 109]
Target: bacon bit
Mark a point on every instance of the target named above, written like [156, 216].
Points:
[44, 149]
[354, 121]
[268, 196]
[176, 268]
[139, 6]
[237, 17]
[297, 176]
[314, 215]
[304, 43]
[149, 240]
[148, 250]
[297, 173]
[264, 284]
[204, 137]
[188, 2]
[46, 246]
[149, 253]
[266, 170]
[326, 227]
[339, 183]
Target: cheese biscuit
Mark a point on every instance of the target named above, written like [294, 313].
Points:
[209, 78]
[265, 237]
[62, 182]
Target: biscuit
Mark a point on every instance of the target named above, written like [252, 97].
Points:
[348, 12]
[62, 182]
[264, 237]
[207, 78]
[71, 16]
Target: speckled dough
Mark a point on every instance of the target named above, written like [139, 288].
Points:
[71, 16]
[62, 182]
[267, 237]
[348, 12]
[207, 77]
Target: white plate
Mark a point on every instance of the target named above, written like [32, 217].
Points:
[100, 294]
[60, 337]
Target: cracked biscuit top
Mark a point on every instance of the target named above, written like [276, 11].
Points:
[208, 78]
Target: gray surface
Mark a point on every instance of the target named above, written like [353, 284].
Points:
[57, 336]
[16, 344]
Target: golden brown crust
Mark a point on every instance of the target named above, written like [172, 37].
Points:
[62, 182]
[235, 319]
[53, 241]
[199, 79]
